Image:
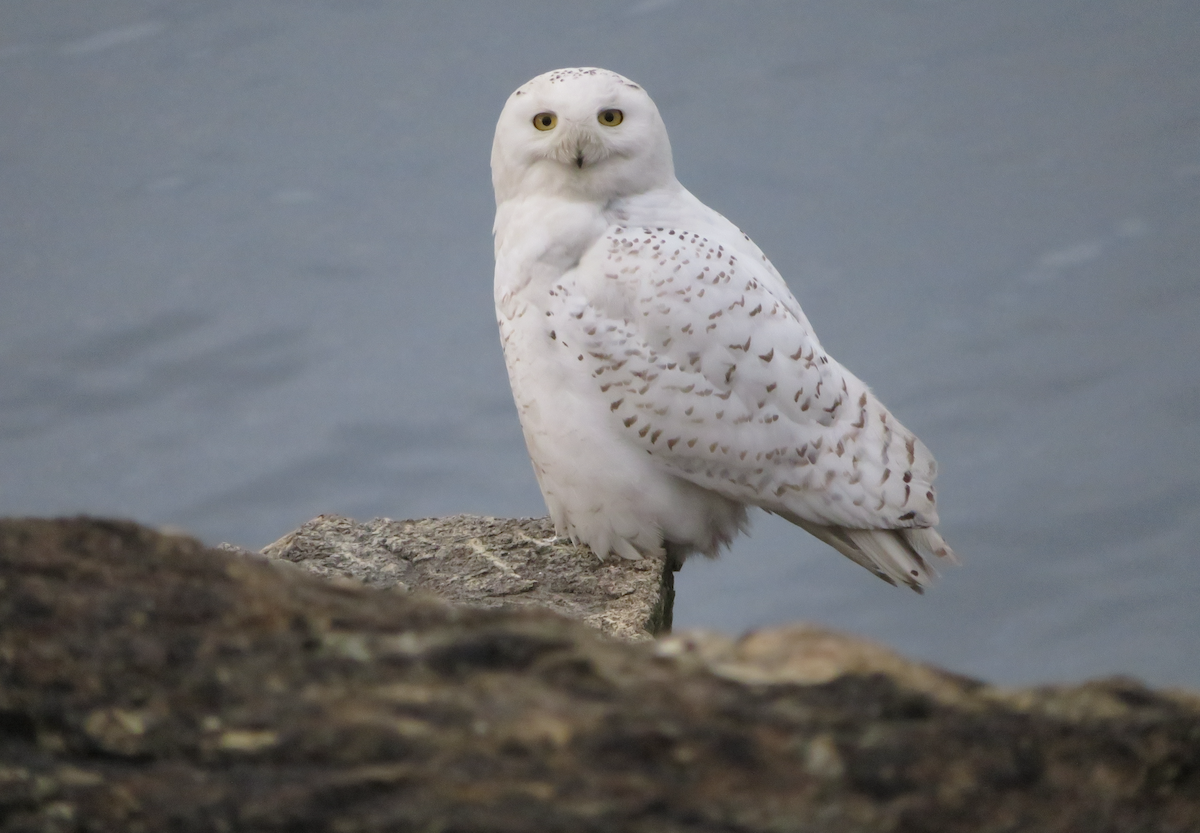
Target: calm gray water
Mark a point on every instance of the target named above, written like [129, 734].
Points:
[245, 278]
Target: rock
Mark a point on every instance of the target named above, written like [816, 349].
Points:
[489, 562]
[147, 683]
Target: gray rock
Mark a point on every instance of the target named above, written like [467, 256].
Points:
[488, 562]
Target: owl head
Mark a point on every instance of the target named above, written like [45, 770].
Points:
[581, 133]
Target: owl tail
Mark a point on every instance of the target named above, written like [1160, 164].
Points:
[898, 556]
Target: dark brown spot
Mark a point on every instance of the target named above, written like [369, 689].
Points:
[616, 404]
[630, 421]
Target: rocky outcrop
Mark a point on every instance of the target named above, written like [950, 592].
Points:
[148, 683]
[488, 562]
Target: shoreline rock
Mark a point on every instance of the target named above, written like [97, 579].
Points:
[149, 683]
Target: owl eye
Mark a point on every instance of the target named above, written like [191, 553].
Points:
[545, 121]
[611, 118]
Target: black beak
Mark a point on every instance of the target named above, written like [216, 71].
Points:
[579, 160]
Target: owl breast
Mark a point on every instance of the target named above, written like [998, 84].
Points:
[600, 488]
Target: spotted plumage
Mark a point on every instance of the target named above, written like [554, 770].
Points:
[665, 376]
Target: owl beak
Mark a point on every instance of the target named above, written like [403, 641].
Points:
[579, 147]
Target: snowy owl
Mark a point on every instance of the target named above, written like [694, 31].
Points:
[665, 376]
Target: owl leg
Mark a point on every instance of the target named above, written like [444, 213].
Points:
[676, 554]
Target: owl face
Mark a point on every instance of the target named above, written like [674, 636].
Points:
[580, 133]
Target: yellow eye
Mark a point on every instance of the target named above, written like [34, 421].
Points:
[545, 121]
[611, 118]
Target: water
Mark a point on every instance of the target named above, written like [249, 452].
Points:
[245, 278]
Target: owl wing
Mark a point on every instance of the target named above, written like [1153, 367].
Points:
[703, 358]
